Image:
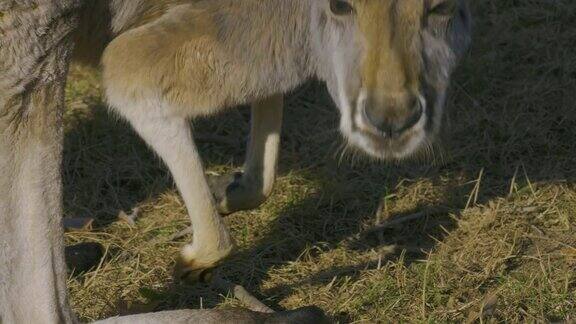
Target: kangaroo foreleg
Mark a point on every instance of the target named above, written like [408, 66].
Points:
[248, 190]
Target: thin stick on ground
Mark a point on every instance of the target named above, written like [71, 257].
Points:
[403, 219]
[181, 234]
[241, 294]
[129, 219]
[395, 221]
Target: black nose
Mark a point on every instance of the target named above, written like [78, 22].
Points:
[393, 121]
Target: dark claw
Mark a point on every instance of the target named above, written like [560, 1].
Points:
[183, 273]
[234, 184]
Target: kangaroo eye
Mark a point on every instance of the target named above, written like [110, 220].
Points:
[446, 8]
[341, 7]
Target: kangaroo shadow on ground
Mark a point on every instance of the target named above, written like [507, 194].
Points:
[343, 199]
[106, 167]
[510, 124]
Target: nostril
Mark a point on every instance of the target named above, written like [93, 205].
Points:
[391, 124]
[377, 118]
[413, 118]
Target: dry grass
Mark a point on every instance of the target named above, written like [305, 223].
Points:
[495, 241]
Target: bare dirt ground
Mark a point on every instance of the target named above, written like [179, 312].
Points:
[491, 235]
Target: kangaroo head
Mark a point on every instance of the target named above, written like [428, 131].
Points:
[387, 64]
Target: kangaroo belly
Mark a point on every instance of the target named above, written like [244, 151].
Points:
[191, 57]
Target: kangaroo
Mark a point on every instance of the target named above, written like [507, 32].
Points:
[386, 63]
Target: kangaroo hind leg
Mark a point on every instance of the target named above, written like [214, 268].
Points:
[171, 139]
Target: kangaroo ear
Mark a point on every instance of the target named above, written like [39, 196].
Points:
[443, 8]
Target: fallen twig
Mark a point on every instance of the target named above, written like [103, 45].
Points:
[129, 219]
[395, 221]
[401, 220]
[181, 234]
[486, 308]
[241, 294]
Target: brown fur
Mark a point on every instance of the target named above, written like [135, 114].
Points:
[392, 67]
